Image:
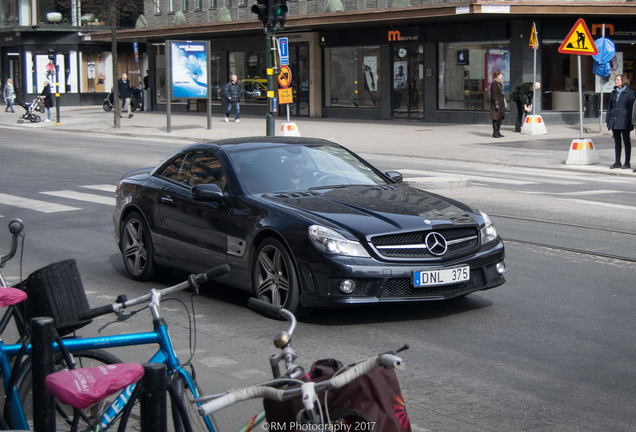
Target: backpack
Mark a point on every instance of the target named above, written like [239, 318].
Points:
[371, 402]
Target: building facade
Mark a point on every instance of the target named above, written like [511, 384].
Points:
[423, 60]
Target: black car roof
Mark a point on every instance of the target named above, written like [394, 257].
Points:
[256, 141]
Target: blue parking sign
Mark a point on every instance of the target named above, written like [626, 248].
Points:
[283, 49]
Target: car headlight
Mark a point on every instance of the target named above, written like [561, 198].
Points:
[488, 231]
[329, 241]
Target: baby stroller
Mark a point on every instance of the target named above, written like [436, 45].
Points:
[31, 111]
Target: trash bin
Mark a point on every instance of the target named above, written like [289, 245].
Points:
[592, 105]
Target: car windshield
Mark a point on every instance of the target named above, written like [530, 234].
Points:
[295, 167]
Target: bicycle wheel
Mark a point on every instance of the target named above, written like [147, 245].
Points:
[64, 417]
[180, 405]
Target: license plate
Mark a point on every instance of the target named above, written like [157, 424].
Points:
[441, 277]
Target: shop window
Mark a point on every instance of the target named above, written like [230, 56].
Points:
[351, 77]
[560, 85]
[464, 74]
[249, 66]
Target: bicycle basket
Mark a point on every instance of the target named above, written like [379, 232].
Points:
[56, 291]
[371, 402]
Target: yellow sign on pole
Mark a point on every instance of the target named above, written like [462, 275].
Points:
[534, 44]
[285, 96]
[579, 41]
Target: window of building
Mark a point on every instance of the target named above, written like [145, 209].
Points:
[198, 5]
[249, 66]
[560, 77]
[184, 5]
[242, 3]
[464, 74]
[170, 6]
[212, 4]
[351, 77]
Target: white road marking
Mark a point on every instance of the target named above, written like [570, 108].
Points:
[80, 196]
[41, 206]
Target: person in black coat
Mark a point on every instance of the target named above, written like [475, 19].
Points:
[497, 103]
[48, 99]
[619, 120]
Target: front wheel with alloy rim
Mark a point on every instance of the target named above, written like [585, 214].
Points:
[274, 277]
[136, 248]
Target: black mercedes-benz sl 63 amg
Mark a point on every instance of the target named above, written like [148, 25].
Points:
[303, 223]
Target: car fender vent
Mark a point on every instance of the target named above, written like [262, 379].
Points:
[300, 194]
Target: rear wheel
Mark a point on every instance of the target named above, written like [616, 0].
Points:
[64, 417]
[136, 248]
[274, 277]
[107, 106]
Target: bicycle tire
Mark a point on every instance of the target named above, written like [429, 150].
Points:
[180, 396]
[64, 417]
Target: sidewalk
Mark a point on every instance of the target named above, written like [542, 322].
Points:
[469, 143]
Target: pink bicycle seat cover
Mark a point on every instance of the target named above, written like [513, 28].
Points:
[83, 388]
[11, 296]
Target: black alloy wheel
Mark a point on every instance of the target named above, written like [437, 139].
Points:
[136, 248]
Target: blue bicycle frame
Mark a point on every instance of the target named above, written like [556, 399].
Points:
[165, 354]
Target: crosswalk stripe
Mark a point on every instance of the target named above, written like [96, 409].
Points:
[27, 203]
[102, 187]
[98, 199]
[602, 204]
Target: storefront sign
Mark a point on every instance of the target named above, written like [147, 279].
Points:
[404, 35]
[579, 41]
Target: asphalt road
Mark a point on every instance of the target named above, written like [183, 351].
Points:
[551, 350]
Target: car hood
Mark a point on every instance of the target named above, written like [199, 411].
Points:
[375, 209]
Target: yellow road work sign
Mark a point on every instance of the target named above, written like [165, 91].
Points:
[534, 44]
[579, 41]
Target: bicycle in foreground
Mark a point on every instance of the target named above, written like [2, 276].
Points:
[181, 379]
[363, 396]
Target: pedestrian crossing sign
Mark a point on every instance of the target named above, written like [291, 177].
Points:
[579, 41]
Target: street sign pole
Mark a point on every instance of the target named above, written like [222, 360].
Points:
[271, 99]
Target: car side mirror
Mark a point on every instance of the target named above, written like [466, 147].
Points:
[395, 176]
[207, 192]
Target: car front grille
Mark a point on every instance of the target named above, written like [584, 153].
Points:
[412, 245]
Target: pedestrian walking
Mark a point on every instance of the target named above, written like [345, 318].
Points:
[233, 94]
[619, 120]
[47, 99]
[523, 95]
[9, 95]
[123, 85]
[497, 103]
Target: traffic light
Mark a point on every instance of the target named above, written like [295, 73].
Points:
[52, 52]
[261, 9]
[279, 12]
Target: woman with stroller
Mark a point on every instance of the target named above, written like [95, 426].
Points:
[9, 95]
[47, 99]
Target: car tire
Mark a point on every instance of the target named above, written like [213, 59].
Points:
[274, 277]
[136, 248]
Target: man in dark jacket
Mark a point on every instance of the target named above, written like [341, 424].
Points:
[123, 85]
[233, 94]
[522, 95]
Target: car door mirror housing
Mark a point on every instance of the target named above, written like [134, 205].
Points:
[395, 176]
[207, 192]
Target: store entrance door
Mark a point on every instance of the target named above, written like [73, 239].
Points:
[408, 81]
[299, 64]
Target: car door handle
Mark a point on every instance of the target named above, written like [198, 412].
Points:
[166, 199]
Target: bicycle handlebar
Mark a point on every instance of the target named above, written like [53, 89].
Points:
[16, 226]
[193, 282]
[266, 391]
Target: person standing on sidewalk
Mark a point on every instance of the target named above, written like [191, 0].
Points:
[523, 95]
[48, 99]
[233, 94]
[123, 85]
[619, 120]
[9, 95]
[497, 103]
